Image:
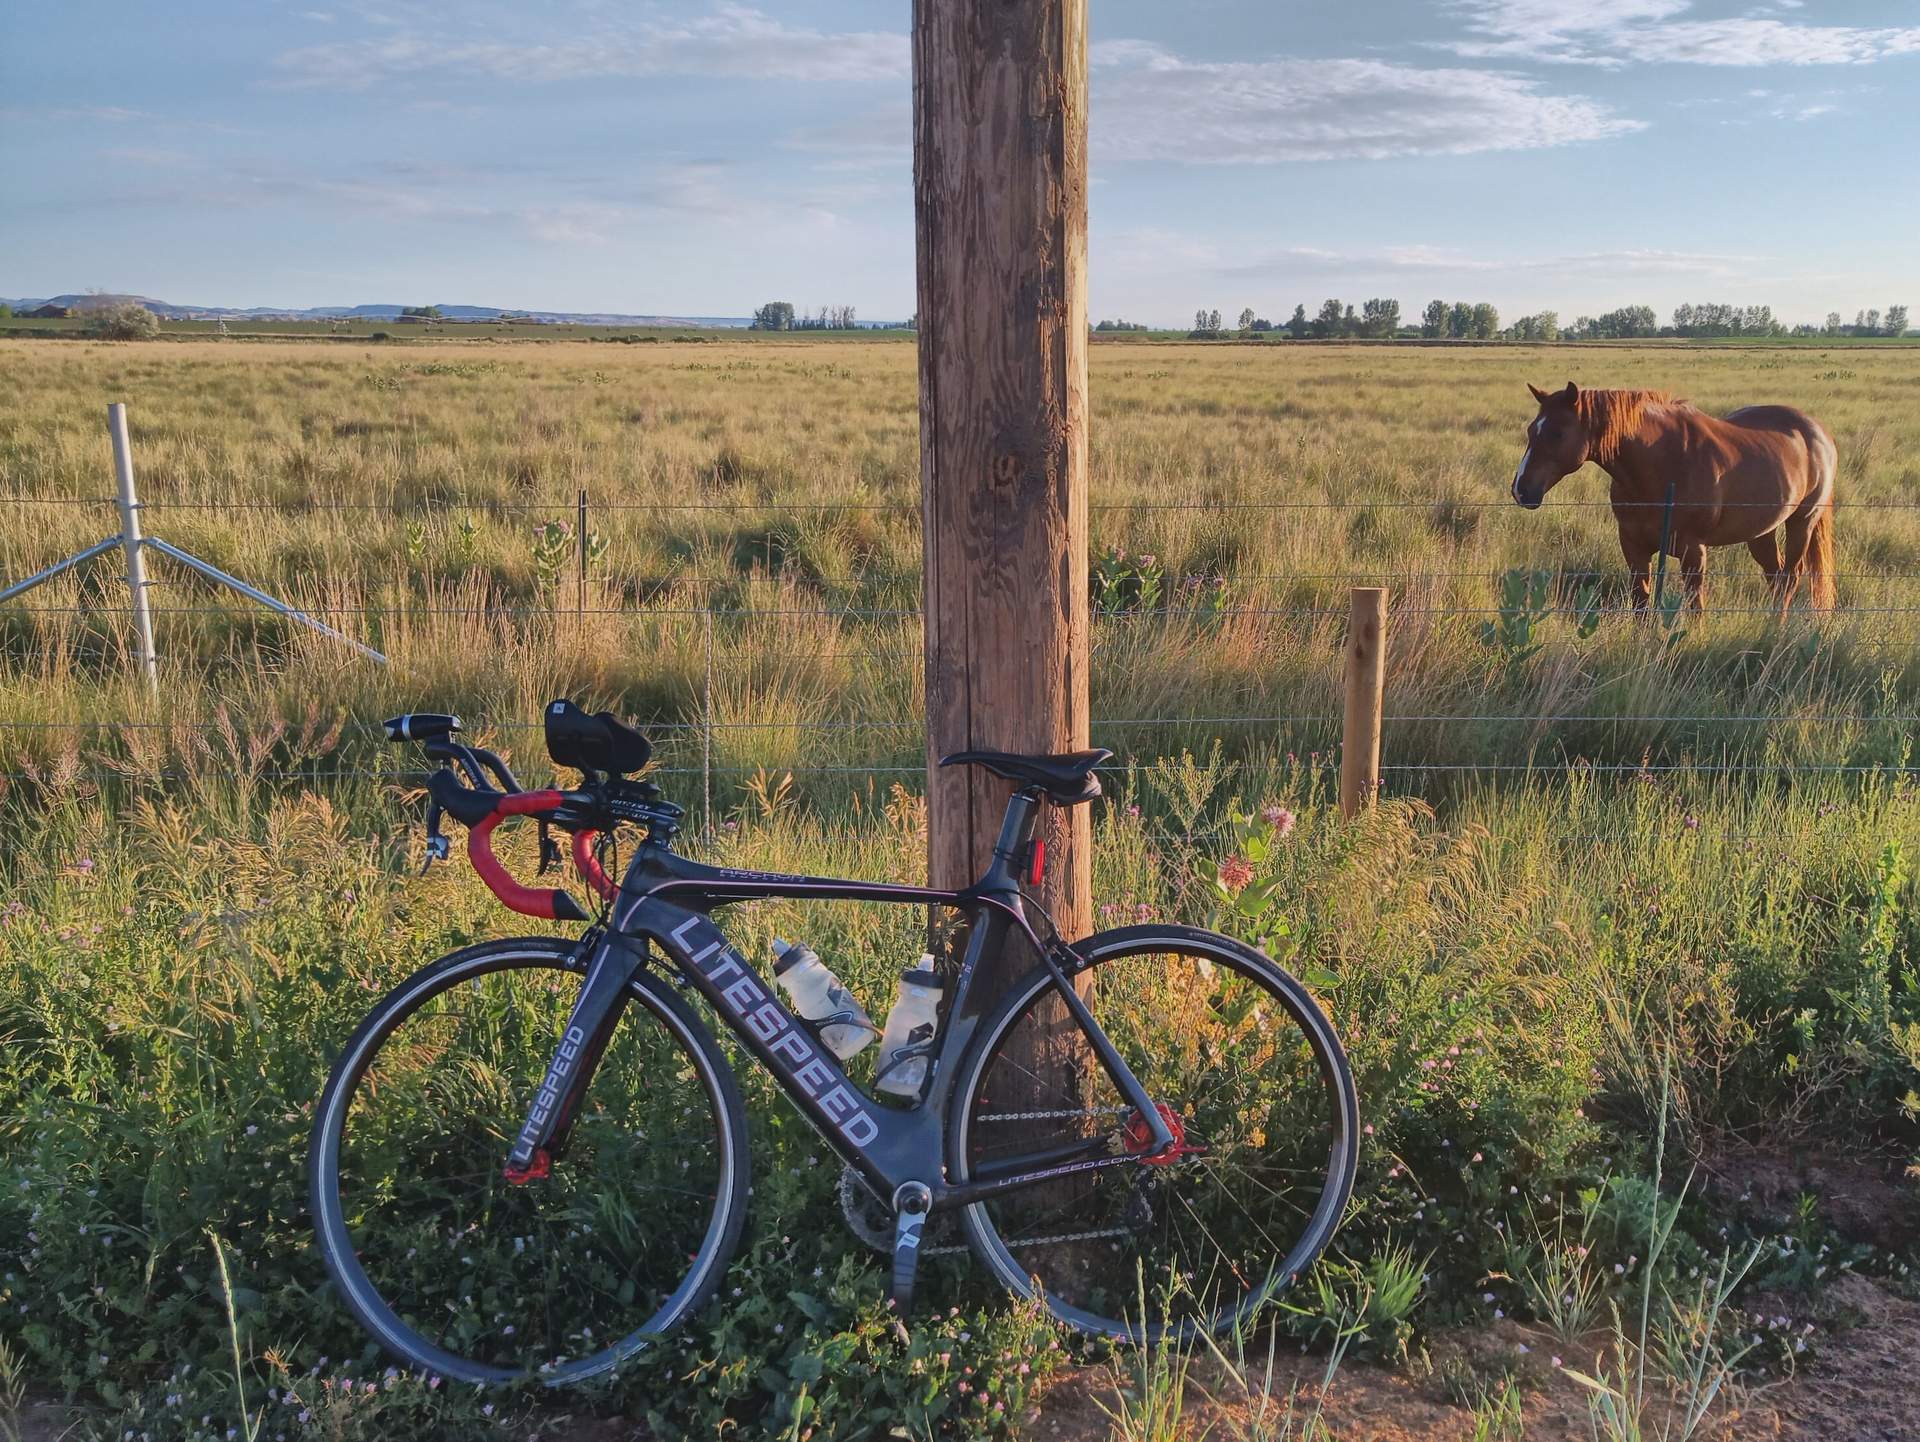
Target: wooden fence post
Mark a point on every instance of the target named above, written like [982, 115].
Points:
[1366, 690]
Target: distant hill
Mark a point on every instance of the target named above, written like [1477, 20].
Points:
[167, 310]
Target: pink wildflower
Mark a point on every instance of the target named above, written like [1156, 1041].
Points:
[1235, 873]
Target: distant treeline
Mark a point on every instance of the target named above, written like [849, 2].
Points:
[1379, 319]
[780, 315]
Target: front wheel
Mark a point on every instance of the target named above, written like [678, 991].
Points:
[1246, 1068]
[471, 1276]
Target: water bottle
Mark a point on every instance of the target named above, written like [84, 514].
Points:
[907, 1047]
[818, 999]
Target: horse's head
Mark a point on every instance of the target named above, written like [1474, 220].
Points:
[1556, 445]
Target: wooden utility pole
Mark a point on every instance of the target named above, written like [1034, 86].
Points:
[1000, 193]
[1366, 691]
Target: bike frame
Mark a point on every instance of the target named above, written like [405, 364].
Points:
[664, 899]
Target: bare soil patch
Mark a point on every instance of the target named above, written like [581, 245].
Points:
[1859, 1388]
[1866, 1197]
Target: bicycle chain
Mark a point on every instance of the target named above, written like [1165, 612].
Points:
[1054, 1241]
[848, 1185]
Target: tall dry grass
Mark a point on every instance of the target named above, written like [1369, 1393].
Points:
[759, 502]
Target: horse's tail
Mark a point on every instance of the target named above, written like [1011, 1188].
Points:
[1819, 560]
[1820, 588]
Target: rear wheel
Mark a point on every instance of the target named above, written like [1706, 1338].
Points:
[1245, 1067]
[472, 1277]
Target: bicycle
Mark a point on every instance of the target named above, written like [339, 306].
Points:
[531, 1158]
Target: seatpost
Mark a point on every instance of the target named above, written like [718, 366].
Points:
[1016, 829]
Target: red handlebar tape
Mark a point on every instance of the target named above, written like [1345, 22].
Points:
[547, 904]
[589, 865]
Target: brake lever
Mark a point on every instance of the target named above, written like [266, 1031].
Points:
[438, 848]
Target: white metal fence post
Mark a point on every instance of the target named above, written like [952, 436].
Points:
[133, 542]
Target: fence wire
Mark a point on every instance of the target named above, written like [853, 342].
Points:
[879, 633]
[747, 506]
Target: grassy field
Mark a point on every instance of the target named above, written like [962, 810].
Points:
[775, 485]
[1610, 852]
[400, 332]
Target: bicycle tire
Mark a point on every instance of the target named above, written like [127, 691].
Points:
[1080, 1272]
[703, 1072]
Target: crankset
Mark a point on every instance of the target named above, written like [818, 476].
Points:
[874, 1222]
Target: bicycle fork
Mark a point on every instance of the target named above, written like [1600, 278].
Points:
[583, 1041]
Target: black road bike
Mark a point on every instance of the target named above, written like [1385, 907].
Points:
[531, 1157]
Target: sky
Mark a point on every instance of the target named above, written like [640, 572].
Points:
[703, 156]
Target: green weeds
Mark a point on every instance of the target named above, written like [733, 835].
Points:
[1527, 967]
[1684, 1336]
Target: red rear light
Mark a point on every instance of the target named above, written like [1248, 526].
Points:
[1039, 867]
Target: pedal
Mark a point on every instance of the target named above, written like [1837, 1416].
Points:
[911, 1202]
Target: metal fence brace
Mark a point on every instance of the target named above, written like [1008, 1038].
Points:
[135, 543]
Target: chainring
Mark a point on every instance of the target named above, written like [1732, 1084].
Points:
[866, 1216]
[871, 1220]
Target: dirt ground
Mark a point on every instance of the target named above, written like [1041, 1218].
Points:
[1859, 1388]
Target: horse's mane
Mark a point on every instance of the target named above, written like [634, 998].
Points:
[1612, 416]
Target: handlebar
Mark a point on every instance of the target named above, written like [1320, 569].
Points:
[602, 804]
[553, 904]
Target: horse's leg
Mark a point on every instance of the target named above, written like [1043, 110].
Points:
[1693, 567]
[1766, 551]
[1798, 532]
[1638, 550]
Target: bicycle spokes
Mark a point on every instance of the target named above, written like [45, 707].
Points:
[1228, 1204]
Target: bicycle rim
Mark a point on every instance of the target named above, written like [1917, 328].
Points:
[1250, 1071]
[470, 1276]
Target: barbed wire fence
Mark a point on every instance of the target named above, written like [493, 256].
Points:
[698, 744]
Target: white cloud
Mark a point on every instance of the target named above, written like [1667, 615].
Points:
[151, 157]
[1619, 32]
[731, 41]
[555, 209]
[1149, 104]
[1158, 251]
[575, 224]
[880, 138]
[105, 114]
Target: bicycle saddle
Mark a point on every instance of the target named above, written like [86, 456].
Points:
[601, 742]
[1067, 779]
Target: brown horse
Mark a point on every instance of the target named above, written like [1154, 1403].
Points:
[1761, 474]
